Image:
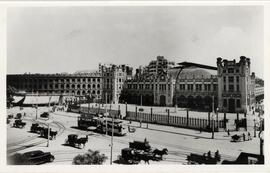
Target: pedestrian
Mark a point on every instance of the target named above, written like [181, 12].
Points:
[200, 129]
[209, 154]
[244, 137]
[217, 155]
[249, 136]
[228, 131]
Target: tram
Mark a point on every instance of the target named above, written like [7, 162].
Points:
[101, 123]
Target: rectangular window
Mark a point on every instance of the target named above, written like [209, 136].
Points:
[209, 87]
[205, 87]
[169, 87]
[237, 78]
[238, 103]
[230, 70]
[224, 79]
[231, 79]
[237, 87]
[224, 102]
[215, 87]
[224, 87]
[231, 88]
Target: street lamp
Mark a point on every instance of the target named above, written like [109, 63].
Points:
[112, 139]
[213, 123]
[36, 111]
[254, 128]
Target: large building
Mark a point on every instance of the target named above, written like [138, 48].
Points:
[77, 84]
[231, 85]
[236, 89]
[113, 77]
[195, 86]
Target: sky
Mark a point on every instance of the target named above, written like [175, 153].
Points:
[69, 39]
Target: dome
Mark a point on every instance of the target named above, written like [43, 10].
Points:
[193, 71]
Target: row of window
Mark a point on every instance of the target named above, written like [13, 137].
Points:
[231, 70]
[72, 92]
[231, 79]
[231, 88]
[56, 86]
[225, 103]
[64, 80]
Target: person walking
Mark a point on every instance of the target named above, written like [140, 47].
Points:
[249, 136]
[209, 154]
[228, 132]
[244, 137]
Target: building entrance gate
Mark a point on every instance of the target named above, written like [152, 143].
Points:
[162, 100]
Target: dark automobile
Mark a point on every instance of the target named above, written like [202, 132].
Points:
[19, 123]
[44, 115]
[38, 157]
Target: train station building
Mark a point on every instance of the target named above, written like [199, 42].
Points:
[230, 85]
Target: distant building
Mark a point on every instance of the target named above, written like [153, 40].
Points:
[79, 84]
[158, 65]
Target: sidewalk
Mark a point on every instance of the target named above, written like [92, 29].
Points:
[189, 132]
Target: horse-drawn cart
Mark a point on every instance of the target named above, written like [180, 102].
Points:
[236, 138]
[140, 150]
[203, 159]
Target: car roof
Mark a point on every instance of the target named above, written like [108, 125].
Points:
[31, 153]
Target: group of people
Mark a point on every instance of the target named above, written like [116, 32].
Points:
[209, 156]
[248, 137]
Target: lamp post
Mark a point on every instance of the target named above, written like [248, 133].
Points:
[213, 125]
[36, 112]
[254, 128]
[112, 139]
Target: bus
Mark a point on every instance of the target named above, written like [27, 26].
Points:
[98, 123]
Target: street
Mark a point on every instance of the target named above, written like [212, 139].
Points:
[180, 142]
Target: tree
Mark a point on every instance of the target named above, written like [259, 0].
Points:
[90, 158]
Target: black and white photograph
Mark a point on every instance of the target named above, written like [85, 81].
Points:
[135, 85]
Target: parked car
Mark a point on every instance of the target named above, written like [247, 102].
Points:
[45, 115]
[19, 123]
[37, 157]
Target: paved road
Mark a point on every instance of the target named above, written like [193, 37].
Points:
[179, 142]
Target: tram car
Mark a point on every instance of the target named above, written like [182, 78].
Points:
[74, 108]
[100, 124]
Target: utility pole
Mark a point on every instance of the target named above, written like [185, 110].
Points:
[254, 128]
[112, 139]
[36, 111]
[213, 112]
[48, 139]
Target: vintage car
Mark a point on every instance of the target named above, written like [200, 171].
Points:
[44, 115]
[19, 123]
[74, 140]
[246, 158]
[36, 128]
[18, 116]
[37, 157]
